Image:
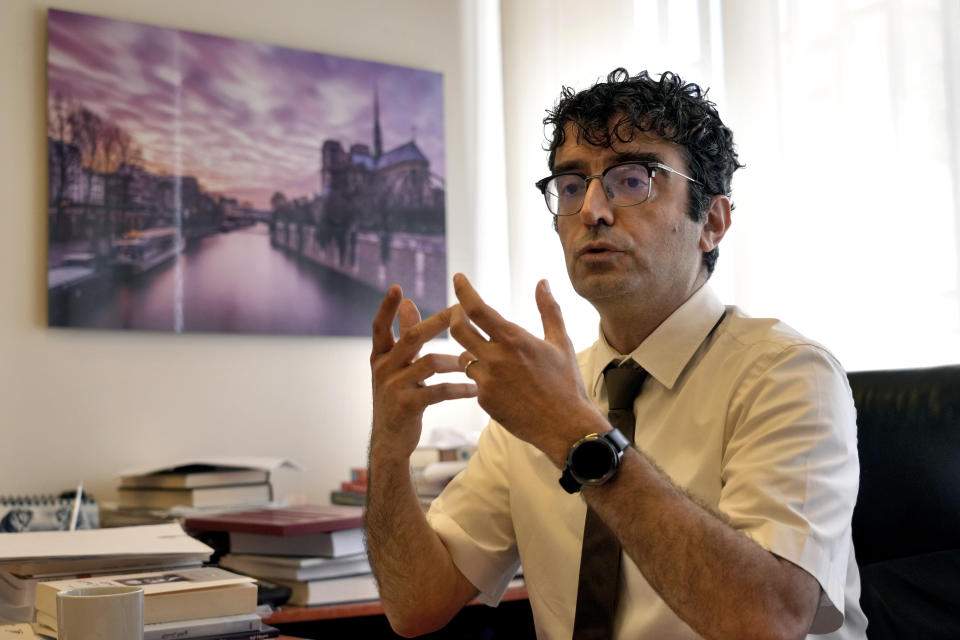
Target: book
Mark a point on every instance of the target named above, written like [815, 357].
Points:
[296, 567]
[423, 456]
[191, 476]
[354, 487]
[332, 544]
[179, 632]
[46, 513]
[333, 590]
[19, 591]
[241, 494]
[233, 462]
[180, 594]
[219, 627]
[285, 521]
[52, 553]
[265, 633]
[341, 497]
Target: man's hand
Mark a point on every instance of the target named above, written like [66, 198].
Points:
[420, 587]
[399, 393]
[531, 386]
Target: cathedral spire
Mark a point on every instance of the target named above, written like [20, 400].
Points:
[377, 139]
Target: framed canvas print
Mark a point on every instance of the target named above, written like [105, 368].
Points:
[203, 183]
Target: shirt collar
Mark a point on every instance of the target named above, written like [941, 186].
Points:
[667, 351]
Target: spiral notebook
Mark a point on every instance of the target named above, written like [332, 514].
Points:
[46, 513]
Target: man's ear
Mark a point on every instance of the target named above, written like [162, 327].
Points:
[716, 223]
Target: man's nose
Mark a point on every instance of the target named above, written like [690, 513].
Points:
[596, 207]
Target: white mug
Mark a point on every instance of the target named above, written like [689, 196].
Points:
[100, 613]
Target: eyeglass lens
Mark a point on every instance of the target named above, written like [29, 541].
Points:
[625, 185]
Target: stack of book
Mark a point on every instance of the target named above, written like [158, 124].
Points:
[317, 551]
[197, 602]
[209, 485]
[352, 491]
[182, 599]
[432, 468]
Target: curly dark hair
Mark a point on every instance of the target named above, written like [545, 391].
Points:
[674, 110]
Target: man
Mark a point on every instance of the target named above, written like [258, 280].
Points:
[733, 505]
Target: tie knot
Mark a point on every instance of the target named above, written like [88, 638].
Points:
[623, 383]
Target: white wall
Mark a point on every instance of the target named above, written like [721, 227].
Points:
[80, 404]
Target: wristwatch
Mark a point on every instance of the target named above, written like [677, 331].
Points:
[593, 460]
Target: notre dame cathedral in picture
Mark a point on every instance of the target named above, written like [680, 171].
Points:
[283, 193]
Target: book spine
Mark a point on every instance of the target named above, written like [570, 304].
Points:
[202, 628]
[347, 498]
[265, 633]
[358, 474]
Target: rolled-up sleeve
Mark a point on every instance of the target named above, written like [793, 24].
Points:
[472, 517]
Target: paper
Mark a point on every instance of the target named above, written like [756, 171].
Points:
[147, 540]
[239, 462]
[450, 438]
[436, 471]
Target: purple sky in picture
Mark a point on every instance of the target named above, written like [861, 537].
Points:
[247, 119]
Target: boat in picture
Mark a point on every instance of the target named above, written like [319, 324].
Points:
[140, 251]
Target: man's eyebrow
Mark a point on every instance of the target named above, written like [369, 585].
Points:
[576, 166]
[638, 156]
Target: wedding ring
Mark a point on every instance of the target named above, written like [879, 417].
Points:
[467, 367]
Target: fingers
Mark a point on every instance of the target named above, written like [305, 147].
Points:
[430, 364]
[412, 378]
[447, 391]
[464, 359]
[416, 336]
[383, 320]
[408, 314]
[464, 332]
[483, 315]
[554, 330]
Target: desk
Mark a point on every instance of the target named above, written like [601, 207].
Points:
[512, 619]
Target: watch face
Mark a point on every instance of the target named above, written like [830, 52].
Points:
[593, 460]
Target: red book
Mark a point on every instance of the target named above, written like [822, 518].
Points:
[285, 521]
[354, 487]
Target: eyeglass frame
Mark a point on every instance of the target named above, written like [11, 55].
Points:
[651, 166]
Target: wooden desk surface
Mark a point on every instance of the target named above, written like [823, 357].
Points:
[288, 614]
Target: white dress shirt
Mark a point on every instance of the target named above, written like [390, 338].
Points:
[753, 419]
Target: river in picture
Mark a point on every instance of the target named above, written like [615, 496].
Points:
[226, 282]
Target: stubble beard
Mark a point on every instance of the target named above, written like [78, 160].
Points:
[601, 284]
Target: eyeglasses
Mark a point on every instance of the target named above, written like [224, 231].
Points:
[625, 183]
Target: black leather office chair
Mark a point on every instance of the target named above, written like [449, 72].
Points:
[906, 524]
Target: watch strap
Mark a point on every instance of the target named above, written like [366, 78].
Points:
[568, 482]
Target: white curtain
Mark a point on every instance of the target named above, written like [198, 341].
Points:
[848, 207]
[847, 115]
